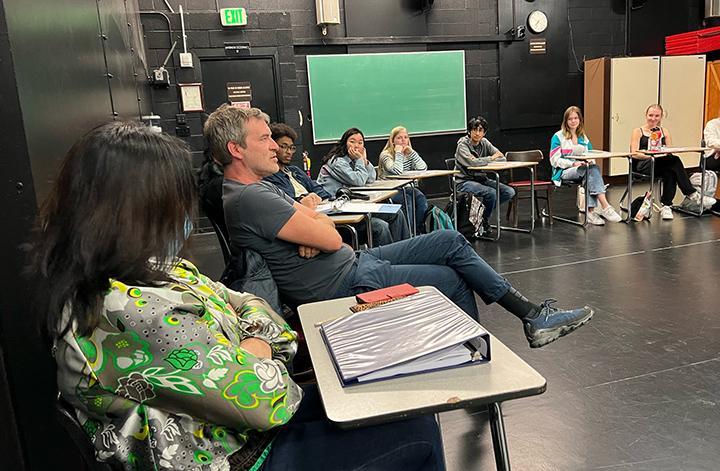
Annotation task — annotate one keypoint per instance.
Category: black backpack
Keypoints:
(471, 211)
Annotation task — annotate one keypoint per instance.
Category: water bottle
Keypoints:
(306, 162)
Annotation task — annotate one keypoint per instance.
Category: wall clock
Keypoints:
(537, 21)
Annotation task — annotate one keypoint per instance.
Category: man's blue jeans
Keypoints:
(487, 192)
(442, 259)
(311, 441)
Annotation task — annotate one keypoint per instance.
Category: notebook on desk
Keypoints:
(342, 206)
(420, 333)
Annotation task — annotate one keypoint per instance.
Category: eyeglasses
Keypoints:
(288, 148)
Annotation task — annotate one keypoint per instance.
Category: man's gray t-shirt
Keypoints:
(254, 215)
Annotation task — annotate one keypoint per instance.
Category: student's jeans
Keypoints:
(487, 192)
(419, 204)
(442, 259)
(596, 185)
(311, 441)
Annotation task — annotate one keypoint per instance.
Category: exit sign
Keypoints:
(233, 16)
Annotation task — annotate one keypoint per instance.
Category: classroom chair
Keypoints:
(523, 186)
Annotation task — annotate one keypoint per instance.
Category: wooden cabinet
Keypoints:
(630, 85)
(712, 91)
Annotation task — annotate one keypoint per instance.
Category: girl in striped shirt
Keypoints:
(399, 157)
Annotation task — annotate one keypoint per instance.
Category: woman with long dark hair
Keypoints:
(347, 165)
(164, 367)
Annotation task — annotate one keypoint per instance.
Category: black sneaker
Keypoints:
(551, 323)
(487, 228)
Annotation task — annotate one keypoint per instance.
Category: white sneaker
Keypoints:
(608, 213)
(594, 219)
(666, 213)
(707, 200)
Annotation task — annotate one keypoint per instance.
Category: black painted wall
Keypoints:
(59, 78)
(587, 29)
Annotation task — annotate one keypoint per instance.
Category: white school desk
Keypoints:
(597, 154)
(681, 150)
(505, 377)
(496, 167)
(418, 175)
(348, 219)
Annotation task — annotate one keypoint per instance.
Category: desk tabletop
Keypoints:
(675, 150)
(347, 218)
(497, 166)
(505, 377)
(382, 185)
(377, 196)
(597, 154)
(423, 174)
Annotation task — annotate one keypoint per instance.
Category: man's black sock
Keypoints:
(518, 304)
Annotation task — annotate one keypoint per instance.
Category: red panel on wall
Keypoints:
(693, 42)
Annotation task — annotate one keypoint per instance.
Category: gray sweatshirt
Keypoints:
(468, 155)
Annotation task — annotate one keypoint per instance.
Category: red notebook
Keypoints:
(386, 294)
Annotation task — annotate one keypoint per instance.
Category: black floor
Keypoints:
(638, 388)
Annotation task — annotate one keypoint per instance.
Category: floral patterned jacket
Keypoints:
(162, 383)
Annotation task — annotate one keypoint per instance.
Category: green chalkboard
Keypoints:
(423, 91)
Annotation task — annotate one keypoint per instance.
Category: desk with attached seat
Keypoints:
(684, 150)
(348, 219)
(495, 168)
(418, 175)
(505, 377)
(597, 154)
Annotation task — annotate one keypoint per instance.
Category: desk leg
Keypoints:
(587, 194)
(652, 187)
(414, 206)
(702, 191)
(454, 196)
(353, 235)
(582, 224)
(497, 209)
(497, 205)
(407, 208)
(497, 429)
(369, 230)
(629, 199)
(532, 199)
(532, 208)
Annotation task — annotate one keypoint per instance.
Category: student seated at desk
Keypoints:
(263, 218)
(669, 167)
(711, 133)
(347, 165)
(571, 140)
(475, 150)
(399, 157)
(291, 178)
(164, 367)
(303, 189)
